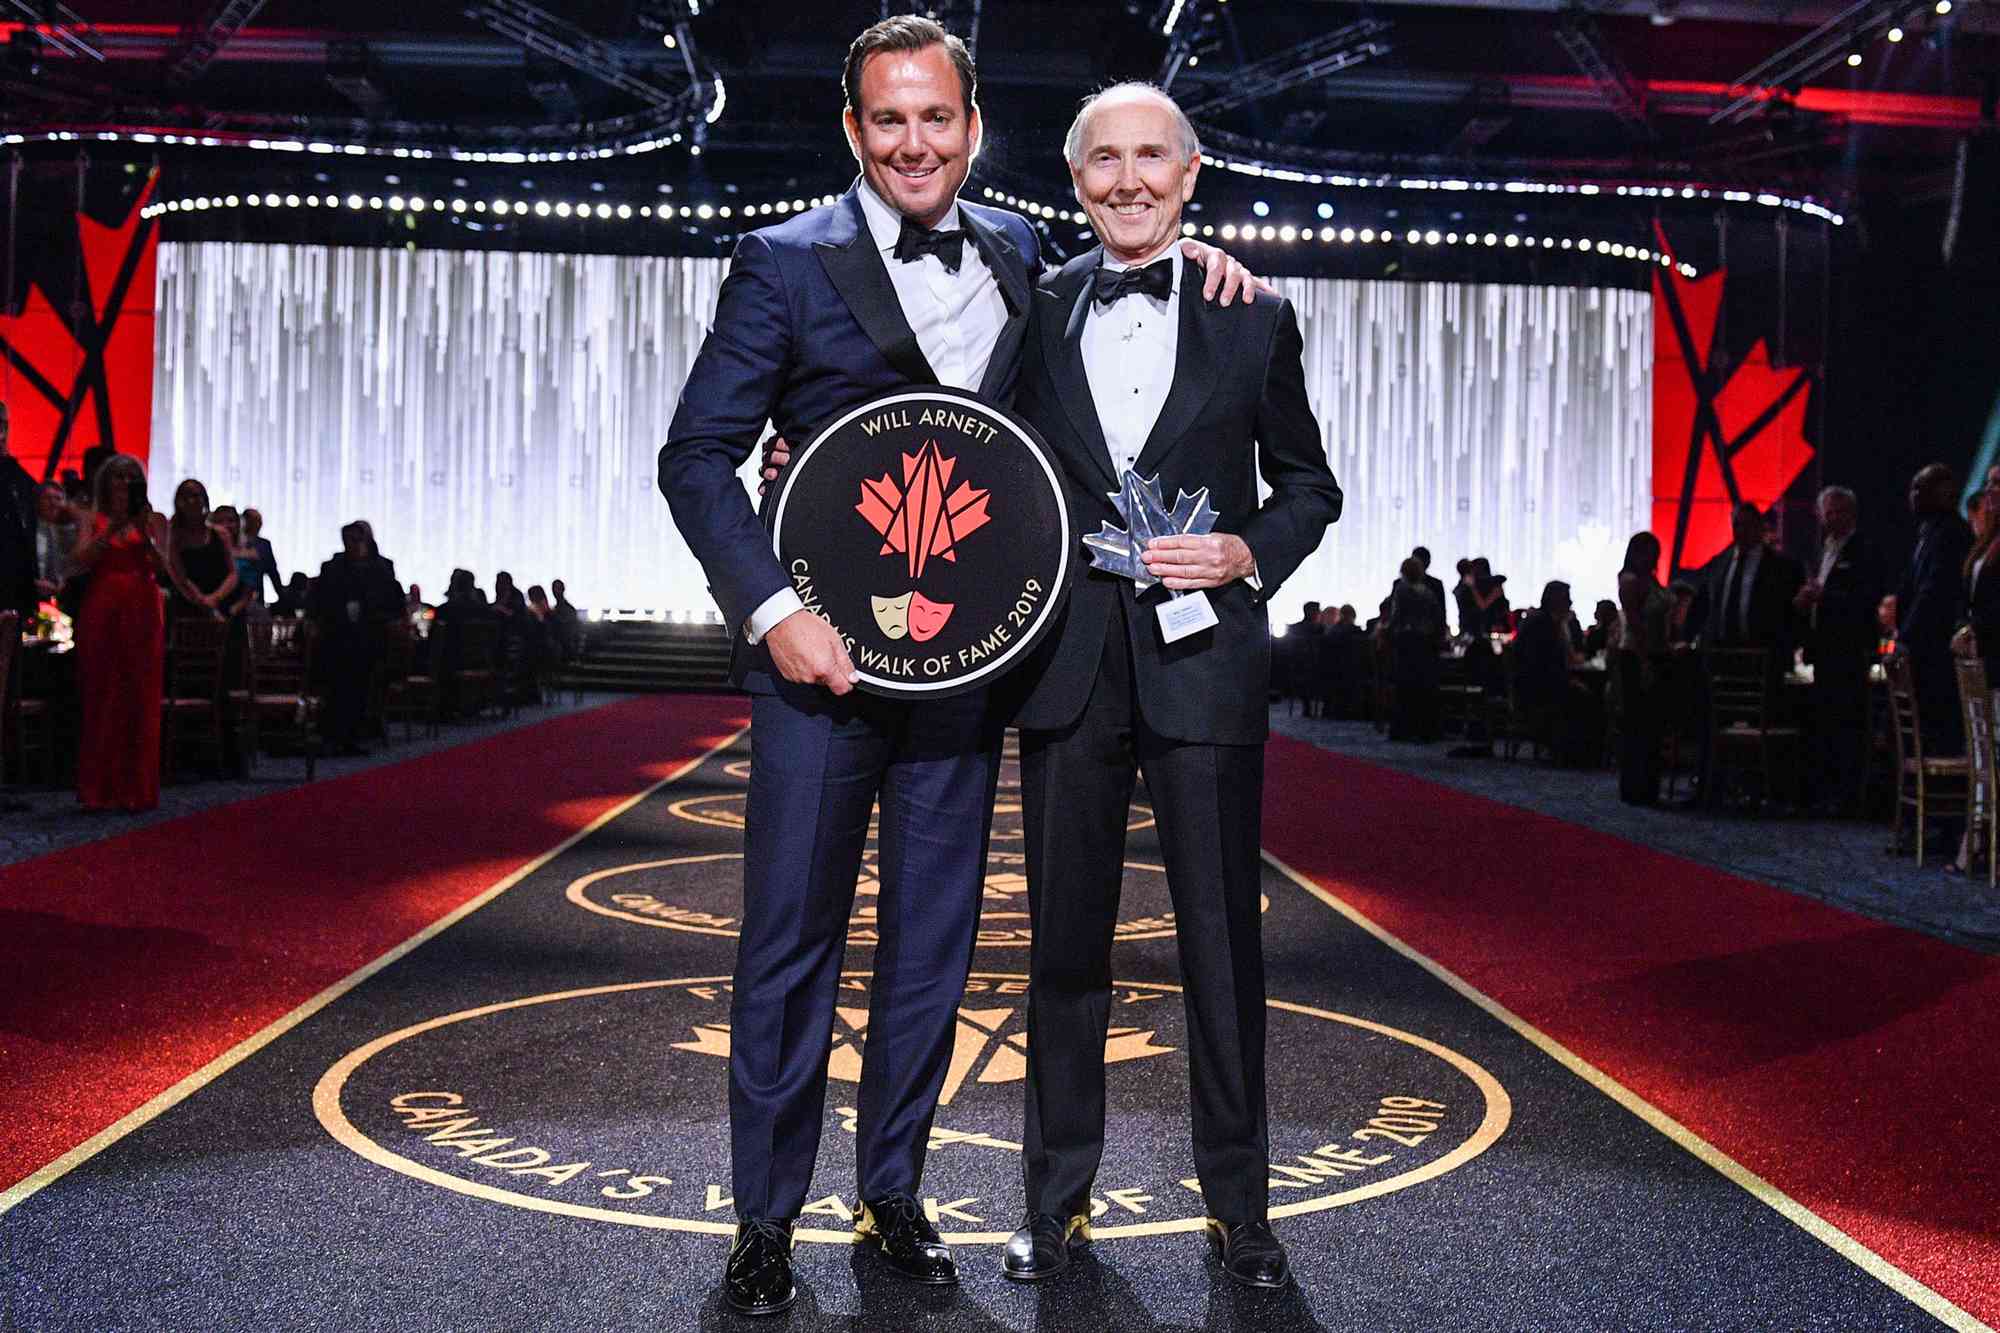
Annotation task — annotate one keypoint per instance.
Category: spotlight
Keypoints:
(1895, 34)
(1853, 59)
(1261, 209)
(1325, 211)
(1944, 6)
(669, 41)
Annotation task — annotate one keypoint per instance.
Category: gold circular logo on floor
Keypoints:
(610, 1104)
(668, 893)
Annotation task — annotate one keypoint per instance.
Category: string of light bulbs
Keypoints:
(601, 211)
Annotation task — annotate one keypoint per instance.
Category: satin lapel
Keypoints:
(858, 274)
(1010, 272)
(1062, 334)
(1196, 364)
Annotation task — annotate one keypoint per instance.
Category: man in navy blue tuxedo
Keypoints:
(898, 283)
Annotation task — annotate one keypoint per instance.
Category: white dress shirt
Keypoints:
(1829, 556)
(1129, 351)
(1129, 348)
(956, 317)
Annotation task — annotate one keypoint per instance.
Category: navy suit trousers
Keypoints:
(818, 766)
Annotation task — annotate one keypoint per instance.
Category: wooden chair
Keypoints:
(478, 674)
(284, 703)
(192, 707)
(1927, 784)
(10, 684)
(1975, 701)
(1507, 721)
(407, 695)
(1743, 702)
(238, 691)
(1460, 698)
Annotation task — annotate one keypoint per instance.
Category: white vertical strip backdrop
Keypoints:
(503, 410)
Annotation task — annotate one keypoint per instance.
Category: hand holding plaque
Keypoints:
(1121, 551)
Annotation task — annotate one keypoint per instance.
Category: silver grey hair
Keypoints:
(1840, 493)
(1073, 141)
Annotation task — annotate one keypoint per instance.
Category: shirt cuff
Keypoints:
(1252, 579)
(774, 609)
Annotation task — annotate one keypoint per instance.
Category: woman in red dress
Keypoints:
(120, 645)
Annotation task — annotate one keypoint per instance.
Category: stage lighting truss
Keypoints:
(725, 220)
(1840, 38)
(61, 27)
(1579, 35)
(668, 116)
(1324, 55)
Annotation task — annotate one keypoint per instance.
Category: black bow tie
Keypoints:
(1155, 280)
(914, 242)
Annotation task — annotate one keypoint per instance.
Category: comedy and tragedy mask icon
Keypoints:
(912, 614)
(892, 614)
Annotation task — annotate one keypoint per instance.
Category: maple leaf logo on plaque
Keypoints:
(920, 518)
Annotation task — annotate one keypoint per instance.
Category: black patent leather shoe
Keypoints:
(1250, 1254)
(758, 1279)
(1041, 1247)
(896, 1226)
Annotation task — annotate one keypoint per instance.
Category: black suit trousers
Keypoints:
(817, 766)
(1076, 786)
(1840, 727)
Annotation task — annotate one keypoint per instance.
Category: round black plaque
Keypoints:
(930, 528)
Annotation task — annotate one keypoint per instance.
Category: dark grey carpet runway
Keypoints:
(521, 1125)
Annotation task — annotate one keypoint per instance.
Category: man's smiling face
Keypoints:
(912, 133)
(1133, 174)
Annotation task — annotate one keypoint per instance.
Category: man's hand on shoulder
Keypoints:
(777, 453)
(808, 651)
(1225, 274)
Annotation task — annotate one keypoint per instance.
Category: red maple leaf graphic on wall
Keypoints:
(922, 517)
(74, 376)
(1721, 433)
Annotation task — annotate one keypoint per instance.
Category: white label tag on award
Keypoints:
(1185, 615)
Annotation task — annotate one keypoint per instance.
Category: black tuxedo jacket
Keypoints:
(1768, 623)
(1236, 410)
(1982, 594)
(1844, 625)
(17, 537)
(1930, 600)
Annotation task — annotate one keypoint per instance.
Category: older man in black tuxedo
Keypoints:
(1837, 610)
(1129, 370)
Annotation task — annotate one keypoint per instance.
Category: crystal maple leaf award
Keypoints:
(1121, 551)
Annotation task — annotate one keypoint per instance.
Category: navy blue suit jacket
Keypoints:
(807, 326)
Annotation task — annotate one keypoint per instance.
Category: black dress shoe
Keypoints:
(1041, 1247)
(758, 1279)
(895, 1224)
(1250, 1253)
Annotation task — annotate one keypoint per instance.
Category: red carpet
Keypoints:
(134, 961)
(1853, 1065)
